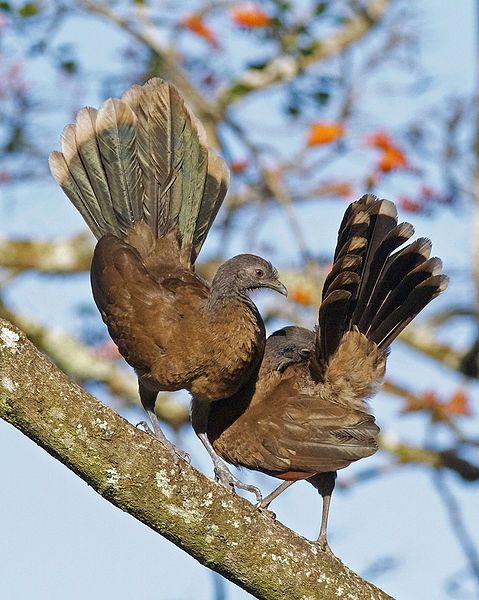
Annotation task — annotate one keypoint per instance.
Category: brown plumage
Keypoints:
(306, 416)
(141, 174)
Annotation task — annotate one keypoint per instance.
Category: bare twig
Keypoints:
(209, 113)
(458, 525)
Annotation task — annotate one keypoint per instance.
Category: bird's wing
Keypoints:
(298, 432)
(142, 312)
(316, 435)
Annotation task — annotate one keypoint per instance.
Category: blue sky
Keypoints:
(58, 539)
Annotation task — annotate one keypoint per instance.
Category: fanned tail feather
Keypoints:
(143, 158)
(372, 288)
(97, 168)
(188, 183)
(115, 129)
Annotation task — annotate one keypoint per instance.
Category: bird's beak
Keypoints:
(277, 286)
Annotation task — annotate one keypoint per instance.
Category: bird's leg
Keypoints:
(322, 541)
(324, 483)
(274, 494)
(158, 432)
(148, 400)
(223, 475)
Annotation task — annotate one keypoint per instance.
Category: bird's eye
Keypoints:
(260, 272)
(305, 352)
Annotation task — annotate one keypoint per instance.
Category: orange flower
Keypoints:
(196, 24)
(324, 133)
(429, 400)
(250, 15)
(238, 166)
(459, 404)
(301, 296)
(410, 205)
(343, 189)
(392, 158)
(380, 140)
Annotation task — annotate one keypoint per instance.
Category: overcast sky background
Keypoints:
(60, 540)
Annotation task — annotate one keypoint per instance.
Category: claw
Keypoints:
(323, 545)
(182, 454)
(177, 453)
(260, 506)
(145, 426)
(229, 481)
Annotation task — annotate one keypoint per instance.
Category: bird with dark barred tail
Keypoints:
(306, 416)
(141, 174)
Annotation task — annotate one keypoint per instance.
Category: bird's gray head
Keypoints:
(288, 346)
(243, 273)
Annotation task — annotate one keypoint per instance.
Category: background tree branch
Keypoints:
(285, 68)
(132, 471)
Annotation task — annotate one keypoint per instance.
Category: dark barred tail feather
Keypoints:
(373, 287)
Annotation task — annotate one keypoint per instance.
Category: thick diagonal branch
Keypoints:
(131, 470)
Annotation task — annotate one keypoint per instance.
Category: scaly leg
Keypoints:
(223, 474)
(324, 483)
(322, 541)
(148, 400)
(275, 493)
(177, 452)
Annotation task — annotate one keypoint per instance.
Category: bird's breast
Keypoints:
(235, 339)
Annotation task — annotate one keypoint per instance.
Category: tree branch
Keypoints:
(132, 471)
(422, 338)
(285, 68)
(66, 256)
(84, 364)
(207, 112)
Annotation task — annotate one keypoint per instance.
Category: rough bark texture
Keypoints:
(132, 471)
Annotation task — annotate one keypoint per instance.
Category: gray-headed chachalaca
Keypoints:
(142, 176)
(307, 416)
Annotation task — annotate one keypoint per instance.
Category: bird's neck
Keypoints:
(241, 315)
(236, 337)
(222, 295)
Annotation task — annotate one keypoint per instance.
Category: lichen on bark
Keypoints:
(131, 470)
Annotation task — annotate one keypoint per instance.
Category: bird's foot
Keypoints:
(323, 545)
(144, 425)
(229, 481)
(263, 507)
(177, 453)
(181, 453)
